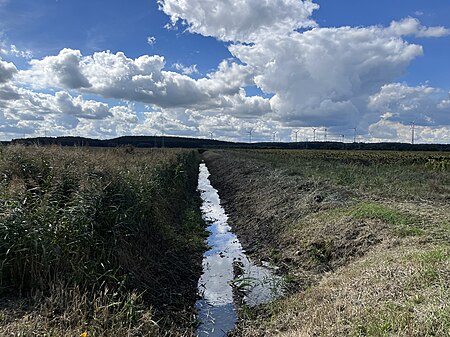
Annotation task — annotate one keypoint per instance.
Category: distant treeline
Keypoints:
(183, 142)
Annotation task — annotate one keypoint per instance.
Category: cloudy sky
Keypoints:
(280, 68)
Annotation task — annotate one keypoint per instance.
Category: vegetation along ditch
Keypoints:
(137, 242)
(99, 242)
(361, 237)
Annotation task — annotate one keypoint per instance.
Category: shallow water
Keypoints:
(216, 308)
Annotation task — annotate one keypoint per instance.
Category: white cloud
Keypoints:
(22, 107)
(142, 79)
(319, 77)
(445, 103)
(125, 114)
(322, 76)
(78, 107)
(26, 54)
(7, 71)
(192, 69)
(422, 104)
(392, 131)
(325, 75)
(412, 26)
(63, 70)
(338, 78)
(26, 112)
(240, 20)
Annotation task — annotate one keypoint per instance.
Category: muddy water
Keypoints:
(255, 284)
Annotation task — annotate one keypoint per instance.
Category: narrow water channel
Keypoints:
(256, 284)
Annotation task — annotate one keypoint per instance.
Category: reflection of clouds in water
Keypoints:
(218, 228)
(218, 272)
(216, 308)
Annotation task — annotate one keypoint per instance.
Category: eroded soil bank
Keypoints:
(363, 239)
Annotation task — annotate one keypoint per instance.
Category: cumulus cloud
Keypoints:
(20, 106)
(63, 70)
(7, 71)
(422, 104)
(325, 75)
(412, 26)
(393, 131)
(240, 20)
(445, 103)
(26, 54)
(78, 107)
(142, 79)
(337, 78)
(319, 76)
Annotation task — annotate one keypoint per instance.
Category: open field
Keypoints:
(102, 242)
(362, 237)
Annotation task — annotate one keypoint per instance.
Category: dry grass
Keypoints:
(394, 290)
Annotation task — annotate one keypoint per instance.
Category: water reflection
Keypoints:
(217, 312)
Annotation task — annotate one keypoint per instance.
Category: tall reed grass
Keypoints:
(117, 227)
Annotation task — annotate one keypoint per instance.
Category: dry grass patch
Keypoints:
(392, 291)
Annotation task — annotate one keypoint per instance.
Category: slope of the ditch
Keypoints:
(357, 264)
(270, 213)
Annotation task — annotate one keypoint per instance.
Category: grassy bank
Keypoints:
(363, 239)
(107, 242)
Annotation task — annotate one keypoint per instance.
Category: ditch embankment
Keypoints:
(99, 242)
(362, 239)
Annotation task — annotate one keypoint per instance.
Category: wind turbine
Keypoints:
(296, 135)
(274, 136)
(250, 132)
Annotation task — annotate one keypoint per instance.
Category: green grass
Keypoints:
(121, 229)
(374, 211)
(405, 175)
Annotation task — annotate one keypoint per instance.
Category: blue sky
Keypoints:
(225, 67)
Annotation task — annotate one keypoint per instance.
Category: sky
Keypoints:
(283, 70)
